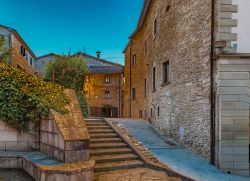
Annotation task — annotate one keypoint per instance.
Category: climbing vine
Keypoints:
(25, 97)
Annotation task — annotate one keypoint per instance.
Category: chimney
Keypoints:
(98, 54)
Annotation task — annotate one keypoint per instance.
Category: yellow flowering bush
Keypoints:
(25, 97)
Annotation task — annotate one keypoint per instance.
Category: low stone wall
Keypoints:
(233, 100)
(64, 172)
(65, 136)
(11, 139)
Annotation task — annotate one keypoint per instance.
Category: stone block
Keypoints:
(227, 36)
(76, 156)
(225, 15)
(8, 135)
(241, 165)
(76, 145)
(225, 165)
(241, 120)
(227, 150)
(228, 8)
(234, 68)
(235, 113)
(2, 145)
(225, 29)
(227, 105)
(241, 135)
(2, 125)
(241, 105)
(227, 120)
(240, 172)
(228, 143)
(241, 128)
(227, 135)
(227, 128)
(228, 2)
(61, 141)
(232, 83)
(17, 146)
(229, 97)
(241, 150)
(240, 143)
(234, 158)
(244, 98)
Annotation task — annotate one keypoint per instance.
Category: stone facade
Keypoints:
(22, 56)
(183, 39)
(178, 33)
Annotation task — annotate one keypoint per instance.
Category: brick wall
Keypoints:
(233, 99)
(183, 39)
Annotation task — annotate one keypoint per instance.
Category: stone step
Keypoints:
(114, 158)
(105, 140)
(107, 145)
(110, 151)
(94, 120)
(98, 127)
(100, 167)
(96, 124)
(103, 135)
(99, 131)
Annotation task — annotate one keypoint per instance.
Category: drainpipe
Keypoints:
(10, 46)
(130, 79)
(212, 102)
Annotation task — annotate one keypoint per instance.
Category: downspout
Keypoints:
(130, 80)
(212, 116)
(10, 46)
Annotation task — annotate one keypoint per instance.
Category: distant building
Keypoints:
(22, 56)
(187, 72)
(103, 84)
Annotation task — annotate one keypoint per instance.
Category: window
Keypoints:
(107, 94)
(134, 59)
(31, 61)
(154, 88)
(155, 26)
(133, 94)
(107, 79)
(166, 74)
(158, 111)
(23, 51)
(145, 87)
(140, 114)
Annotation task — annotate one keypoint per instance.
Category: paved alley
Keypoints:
(177, 158)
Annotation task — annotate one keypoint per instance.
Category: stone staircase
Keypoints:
(108, 149)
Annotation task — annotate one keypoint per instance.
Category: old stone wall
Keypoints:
(183, 38)
(233, 99)
(13, 140)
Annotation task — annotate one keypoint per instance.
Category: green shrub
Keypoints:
(70, 72)
(83, 104)
(25, 97)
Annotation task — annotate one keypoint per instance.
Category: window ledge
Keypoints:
(165, 84)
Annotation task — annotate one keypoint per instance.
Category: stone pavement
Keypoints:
(176, 158)
(137, 174)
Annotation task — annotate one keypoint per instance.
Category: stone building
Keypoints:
(186, 72)
(103, 84)
(22, 56)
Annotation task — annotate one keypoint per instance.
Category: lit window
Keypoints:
(107, 94)
(107, 79)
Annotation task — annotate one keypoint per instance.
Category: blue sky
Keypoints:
(78, 25)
